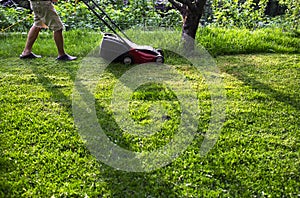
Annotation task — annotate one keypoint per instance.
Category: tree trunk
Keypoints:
(191, 12)
(189, 29)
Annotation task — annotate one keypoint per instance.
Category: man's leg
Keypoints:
(59, 41)
(31, 37)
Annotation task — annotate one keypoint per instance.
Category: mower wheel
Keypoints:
(127, 60)
(159, 59)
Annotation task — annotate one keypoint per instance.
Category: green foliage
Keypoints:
(234, 13)
(292, 13)
(15, 19)
(134, 14)
(248, 14)
(251, 14)
(140, 14)
(77, 16)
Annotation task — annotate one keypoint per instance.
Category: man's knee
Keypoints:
(36, 28)
(58, 31)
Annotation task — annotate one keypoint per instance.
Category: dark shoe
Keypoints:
(30, 56)
(66, 57)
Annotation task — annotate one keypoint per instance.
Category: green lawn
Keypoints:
(42, 154)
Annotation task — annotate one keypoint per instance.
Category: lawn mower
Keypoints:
(114, 47)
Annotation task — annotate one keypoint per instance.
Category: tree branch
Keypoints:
(188, 3)
(177, 5)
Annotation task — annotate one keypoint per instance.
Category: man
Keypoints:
(45, 16)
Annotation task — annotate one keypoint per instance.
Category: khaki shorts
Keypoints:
(45, 14)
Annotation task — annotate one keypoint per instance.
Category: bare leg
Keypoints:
(59, 41)
(32, 36)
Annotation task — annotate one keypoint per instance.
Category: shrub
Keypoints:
(15, 19)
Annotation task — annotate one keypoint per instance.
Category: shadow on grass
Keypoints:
(6, 166)
(57, 95)
(120, 183)
(264, 88)
(128, 184)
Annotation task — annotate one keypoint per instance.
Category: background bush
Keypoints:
(15, 19)
(254, 14)
(250, 14)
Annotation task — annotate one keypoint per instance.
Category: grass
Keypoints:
(222, 41)
(42, 154)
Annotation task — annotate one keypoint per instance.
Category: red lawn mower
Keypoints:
(114, 47)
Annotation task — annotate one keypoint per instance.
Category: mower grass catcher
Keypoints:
(121, 49)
